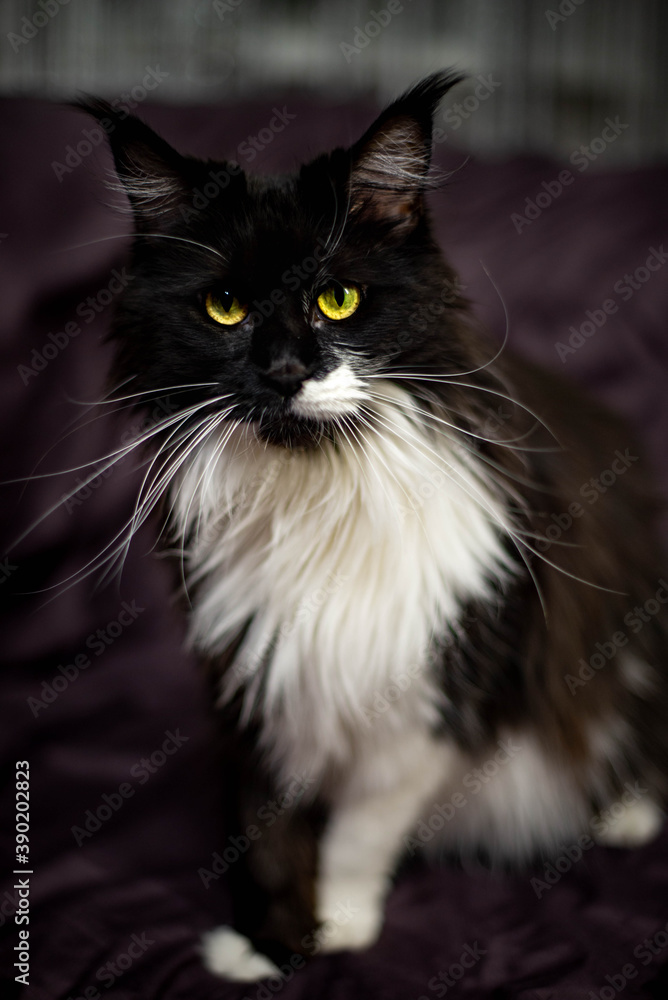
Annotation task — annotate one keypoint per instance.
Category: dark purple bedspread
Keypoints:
(112, 715)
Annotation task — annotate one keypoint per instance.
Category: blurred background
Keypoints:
(554, 69)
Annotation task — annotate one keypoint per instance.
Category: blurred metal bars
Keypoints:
(562, 66)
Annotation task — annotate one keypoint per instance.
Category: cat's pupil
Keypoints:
(227, 300)
(339, 294)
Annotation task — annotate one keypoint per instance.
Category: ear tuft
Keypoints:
(151, 173)
(391, 161)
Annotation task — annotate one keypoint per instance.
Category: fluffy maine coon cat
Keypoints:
(375, 575)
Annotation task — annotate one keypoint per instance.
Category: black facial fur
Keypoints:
(353, 216)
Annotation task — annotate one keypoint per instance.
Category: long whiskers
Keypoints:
(78, 424)
(518, 535)
(109, 460)
(115, 551)
(110, 398)
(208, 471)
(504, 442)
(146, 502)
(454, 377)
(157, 485)
(118, 546)
(130, 236)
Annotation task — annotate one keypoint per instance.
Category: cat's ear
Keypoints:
(390, 163)
(152, 174)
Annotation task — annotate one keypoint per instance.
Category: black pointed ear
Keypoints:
(153, 175)
(390, 163)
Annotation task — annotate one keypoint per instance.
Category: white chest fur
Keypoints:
(349, 561)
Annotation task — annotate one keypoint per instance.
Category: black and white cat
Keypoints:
(371, 575)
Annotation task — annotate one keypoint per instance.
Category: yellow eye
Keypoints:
(339, 301)
(225, 308)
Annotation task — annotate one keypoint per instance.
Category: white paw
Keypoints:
(229, 954)
(351, 916)
(639, 823)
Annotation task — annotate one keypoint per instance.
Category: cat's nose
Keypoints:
(287, 377)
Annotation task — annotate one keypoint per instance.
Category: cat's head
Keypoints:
(278, 299)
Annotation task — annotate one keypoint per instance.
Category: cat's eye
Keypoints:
(225, 308)
(339, 301)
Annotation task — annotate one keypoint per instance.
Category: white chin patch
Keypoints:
(337, 394)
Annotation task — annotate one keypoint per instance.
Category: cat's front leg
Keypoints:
(364, 839)
(227, 953)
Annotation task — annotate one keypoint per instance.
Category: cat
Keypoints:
(377, 587)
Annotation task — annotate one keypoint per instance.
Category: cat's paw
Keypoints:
(350, 917)
(640, 823)
(229, 954)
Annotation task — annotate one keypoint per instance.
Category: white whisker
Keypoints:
(422, 376)
(127, 236)
(516, 534)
